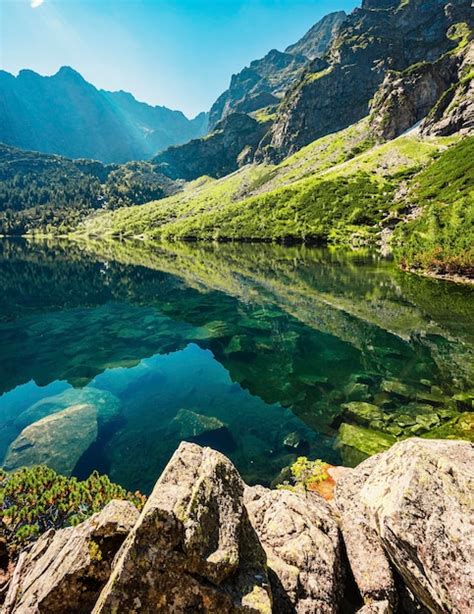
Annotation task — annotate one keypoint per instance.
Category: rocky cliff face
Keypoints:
(316, 41)
(439, 91)
(381, 35)
(265, 81)
(454, 110)
(207, 543)
(64, 114)
(232, 142)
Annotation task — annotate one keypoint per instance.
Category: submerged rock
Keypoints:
(294, 441)
(362, 413)
(300, 535)
(192, 424)
(204, 430)
(398, 388)
(356, 391)
(58, 440)
(193, 548)
(65, 570)
(460, 427)
(107, 405)
(464, 401)
(357, 443)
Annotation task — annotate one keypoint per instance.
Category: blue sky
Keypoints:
(179, 53)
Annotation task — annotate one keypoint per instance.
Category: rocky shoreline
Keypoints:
(395, 538)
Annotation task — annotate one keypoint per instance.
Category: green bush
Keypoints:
(34, 500)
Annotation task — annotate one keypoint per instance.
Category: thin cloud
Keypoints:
(36, 3)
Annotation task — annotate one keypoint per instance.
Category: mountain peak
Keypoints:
(66, 72)
(316, 41)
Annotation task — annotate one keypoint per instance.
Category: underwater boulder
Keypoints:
(58, 440)
(106, 404)
(356, 443)
(205, 430)
(460, 427)
(362, 412)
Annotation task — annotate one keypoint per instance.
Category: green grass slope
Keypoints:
(328, 191)
(440, 237)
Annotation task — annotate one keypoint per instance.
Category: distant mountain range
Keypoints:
(64, 114)
(294, 143)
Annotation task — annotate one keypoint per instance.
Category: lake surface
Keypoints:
(110, 356)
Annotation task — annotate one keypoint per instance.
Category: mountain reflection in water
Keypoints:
(110, 354)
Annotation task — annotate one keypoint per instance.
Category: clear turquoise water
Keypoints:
(264, 341)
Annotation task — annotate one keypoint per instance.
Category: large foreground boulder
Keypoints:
(193, 548)
(301, 538)
(369, 563)
(415, 503)
(65, 570)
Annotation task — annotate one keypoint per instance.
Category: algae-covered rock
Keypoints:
(404, 420)
(206, 430)
(58, 440)
(464, 401)
(427, 421)
(356, 391)
(460, 427)
(313, 380)
(238, 343)
(65, 570)
(193, 548)
(399, 389)
(362, 413)
(357, 443)
(191, 424)
(300, 535)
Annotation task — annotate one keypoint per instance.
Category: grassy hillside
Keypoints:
(440, 237)
(328, 191)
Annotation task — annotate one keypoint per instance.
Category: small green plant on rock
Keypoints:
(306, 475)
(309, 472)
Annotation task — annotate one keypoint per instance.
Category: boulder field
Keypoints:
(396, 537)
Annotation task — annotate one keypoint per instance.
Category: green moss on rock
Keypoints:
(357, 443)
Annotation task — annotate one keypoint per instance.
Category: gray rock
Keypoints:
(454, 112)
(417, 497)
(65, 570)
(376, 607)
(300, 535)
(193, 548)
(58, 440)
(381, 35)
(369, 563)
(405, 98)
